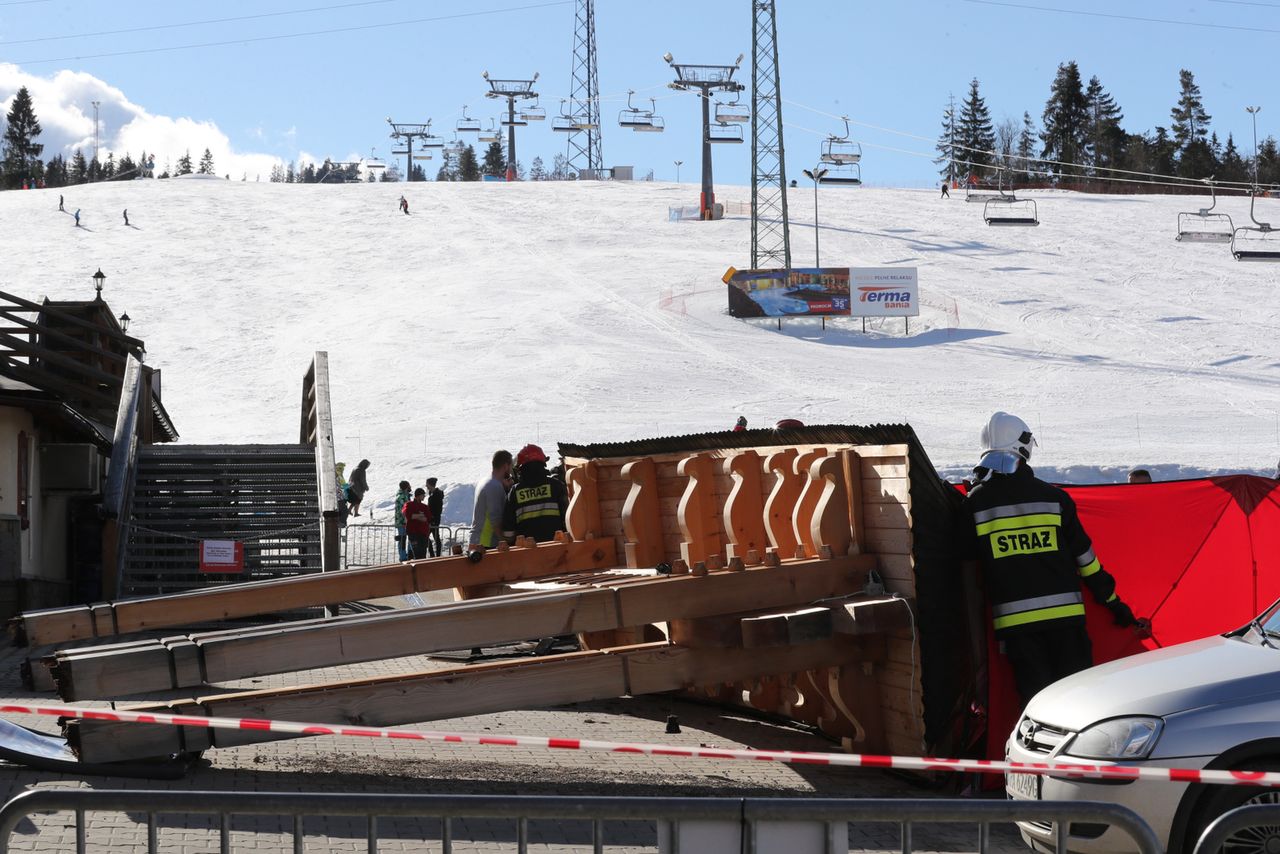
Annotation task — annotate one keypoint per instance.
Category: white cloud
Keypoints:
(64, 105)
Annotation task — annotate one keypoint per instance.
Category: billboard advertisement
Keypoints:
(799, 292)
(885, 291)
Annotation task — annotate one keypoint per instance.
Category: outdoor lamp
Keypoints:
(124, 322)
(99, 279)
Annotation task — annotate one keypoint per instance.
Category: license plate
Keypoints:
(1025, 787)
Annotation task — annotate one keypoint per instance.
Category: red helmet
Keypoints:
(530, 454)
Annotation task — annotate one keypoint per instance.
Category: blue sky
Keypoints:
(885, 64)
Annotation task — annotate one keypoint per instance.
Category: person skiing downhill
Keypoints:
(404, 206)
(126, 216)
(77, 217)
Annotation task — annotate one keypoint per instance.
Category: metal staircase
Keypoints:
(263, 496)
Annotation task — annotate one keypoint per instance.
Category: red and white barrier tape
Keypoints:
(855, 760)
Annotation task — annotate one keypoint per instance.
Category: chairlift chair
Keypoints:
(656, 125)
(564, 123)
(466, 124)
(724, 133)
(1017, 212)
(517, 121)
(490, 134)
(1258, 242)
(1205, 226)
(583, 122)
(632, 116)
(840, 149)
(456, 147)
(842, 175)
(533, 113)
(373, 162)
(732, 112)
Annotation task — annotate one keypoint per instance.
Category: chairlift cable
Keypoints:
(1115, 17)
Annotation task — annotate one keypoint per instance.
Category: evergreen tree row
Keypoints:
(1081, 137)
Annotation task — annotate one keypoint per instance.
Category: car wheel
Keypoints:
(1259, 839)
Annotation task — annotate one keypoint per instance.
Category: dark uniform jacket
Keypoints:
(1034, 553)
(536, 505)
(435, 501)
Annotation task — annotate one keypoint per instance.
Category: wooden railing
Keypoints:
(316, 430)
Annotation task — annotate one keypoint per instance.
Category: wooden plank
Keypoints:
(864, 615)
(888, 516)
(696, 513)
(851, 466)
(873, 468)
(640, 515)
(889, 541)
(264, 597)
(887, 490)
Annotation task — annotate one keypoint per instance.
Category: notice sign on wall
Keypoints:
(885, 291)
(221, 556)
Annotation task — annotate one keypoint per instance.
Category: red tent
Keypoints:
(1199, 557)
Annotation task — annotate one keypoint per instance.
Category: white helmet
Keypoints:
(1006, 440)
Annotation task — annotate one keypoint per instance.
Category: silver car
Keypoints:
(1212, 703)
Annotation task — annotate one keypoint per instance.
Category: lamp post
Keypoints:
(99, 279)
(678, 165)
(1253, 112)
(124, 322)
(815, 174)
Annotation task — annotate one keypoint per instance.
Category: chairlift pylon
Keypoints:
(732, 112)
(1258, 242)
(1205, 226)
(838, 149)
(1010, 212)
(466, 124)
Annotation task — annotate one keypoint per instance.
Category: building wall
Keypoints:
(13, 423)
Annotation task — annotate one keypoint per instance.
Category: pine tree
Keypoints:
(1163, 152)
(291, 173)
(55, 172)
(1268, 163)
(468, 168)
(946, 146)
(126, 169)
(518, 169)
(1026, 145)
(537, 172)
(1232, 166)
(21, 151)
(560, 168)
(109, 168)
(206, 163)
(1065, 118)
(1190, 121)
(1103, 133)
(277, 174)
(79, 169)
(495, 161)
(975, 134)
(184, 164)
(417, 173)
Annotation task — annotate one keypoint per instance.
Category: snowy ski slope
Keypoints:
(496, 315)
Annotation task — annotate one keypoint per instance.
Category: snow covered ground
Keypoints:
(496, 315)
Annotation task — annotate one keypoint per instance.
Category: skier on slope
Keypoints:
(77, 217)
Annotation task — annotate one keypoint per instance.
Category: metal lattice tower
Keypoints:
(770, 227)
(584, 145)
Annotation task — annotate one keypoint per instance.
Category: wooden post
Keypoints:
(829, 529)
(808, 503)
(584, 501)
(852, 464)
(696, 513)
(744, 509)
(781, 506)
(641, 521)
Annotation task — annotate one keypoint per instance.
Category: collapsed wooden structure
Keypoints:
(800, 572)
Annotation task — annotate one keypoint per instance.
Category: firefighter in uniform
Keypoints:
(1034, 555)
(537, 503)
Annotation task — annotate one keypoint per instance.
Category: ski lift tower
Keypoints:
(409, 132)
(584, 144)
(770, 225)
(705, 79)
(512, 90)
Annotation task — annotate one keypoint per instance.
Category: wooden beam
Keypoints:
(108, 672)
(233, 601)
(457, 692)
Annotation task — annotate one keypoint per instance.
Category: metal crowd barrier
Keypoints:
(375, 545)
(1250, 828)
(762, 825)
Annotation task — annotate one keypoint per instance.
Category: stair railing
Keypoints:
(117, 494)
(317, 431)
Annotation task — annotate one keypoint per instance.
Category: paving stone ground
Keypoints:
(379, 766)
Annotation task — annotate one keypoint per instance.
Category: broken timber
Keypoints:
(474, 690)
(255, 598)
(107, 672)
